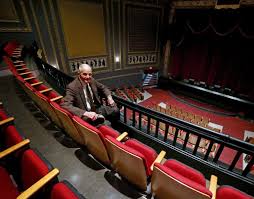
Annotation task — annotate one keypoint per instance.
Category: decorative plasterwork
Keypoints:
(208, 4)
(94, 62)
(142, 58)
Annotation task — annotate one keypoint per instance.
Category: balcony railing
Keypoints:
(132, 119)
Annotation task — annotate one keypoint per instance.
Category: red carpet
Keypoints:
(232, 126)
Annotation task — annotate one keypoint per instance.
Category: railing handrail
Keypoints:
(195, 129)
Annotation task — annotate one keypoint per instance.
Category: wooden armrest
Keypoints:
(39, 184)
(213, 185)
(20, 69)
(45, 90)
(5, 121)
(14, 148)
(28, 78)
(25, 73)
(18, 61)
(122, 136)
(159, 158)
(56, 98)
(37, 83)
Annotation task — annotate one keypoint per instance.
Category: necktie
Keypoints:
(89, 96)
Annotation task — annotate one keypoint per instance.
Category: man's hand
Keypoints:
(111, 101)
(92, 115)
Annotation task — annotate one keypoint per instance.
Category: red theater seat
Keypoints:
(132, 160)
(68, 125)
(173, 179)
(31, 169)
(228, 192)
(95, 138)
(64, 190)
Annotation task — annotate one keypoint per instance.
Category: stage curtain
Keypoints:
(216, 47)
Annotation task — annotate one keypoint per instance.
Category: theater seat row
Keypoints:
(23, 170)
(131, 159)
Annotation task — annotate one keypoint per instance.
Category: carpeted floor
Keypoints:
(232, 126)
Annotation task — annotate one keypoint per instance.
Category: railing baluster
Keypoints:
(139, 120)
(209, 150)
(166, 133)
(196, 145)
(237, 156)
(217, 156)
(157, 128)
(125, 114)
(133, 118)
(175, 137)
(186, 140)
(248, 167)
(148, 125)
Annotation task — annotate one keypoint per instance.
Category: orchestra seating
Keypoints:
(130, 158)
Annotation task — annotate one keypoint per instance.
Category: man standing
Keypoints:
(83, 98)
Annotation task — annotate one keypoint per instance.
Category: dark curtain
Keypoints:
(216, 47)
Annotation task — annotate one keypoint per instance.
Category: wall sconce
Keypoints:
(117, 59)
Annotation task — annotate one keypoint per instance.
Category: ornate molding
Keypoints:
(27, 25)
(147, 58)
(44, 10)
(208, 4)
(38, 29)
(194, 4)
(56, 29)
(95, 62)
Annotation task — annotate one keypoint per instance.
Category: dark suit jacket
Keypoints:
(74, 100)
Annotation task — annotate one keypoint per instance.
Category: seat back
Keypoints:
(94, 140)
(65, 190)
(10, 47)
(228, 192)
(33, 167)
(167, 183)
(11, 136)
(45, 106)
(128, 162)
(68, 125)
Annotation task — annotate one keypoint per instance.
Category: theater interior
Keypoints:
(180, 72)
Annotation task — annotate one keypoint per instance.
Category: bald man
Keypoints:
(83, 98)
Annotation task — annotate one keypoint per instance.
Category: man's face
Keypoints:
(86, 75)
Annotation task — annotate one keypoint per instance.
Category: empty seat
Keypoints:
(132, 160)
(173, 179)
(228, 192)
(65, 190)
(95, 138)
(9, 135)
(31, 168)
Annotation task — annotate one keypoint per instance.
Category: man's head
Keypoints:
(85, 73)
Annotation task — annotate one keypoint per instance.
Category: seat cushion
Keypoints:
(62, 191)
(7, 188)
(106, 130)
(149, 153)
(186, 171)
(228, 192)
